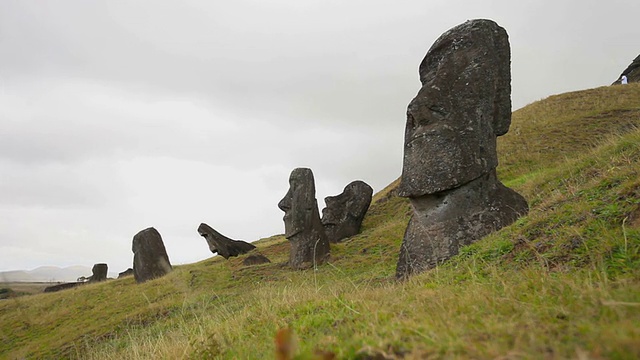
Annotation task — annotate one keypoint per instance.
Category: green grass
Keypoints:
(562, 282)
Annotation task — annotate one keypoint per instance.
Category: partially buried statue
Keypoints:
(150, 259)
(303, 229)
(343, 215)
(449, 169)
(221, 244)
(99, 272)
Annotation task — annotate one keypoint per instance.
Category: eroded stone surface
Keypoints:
(343, 215)
(303, 229)
(450, 146)
(150, 259)
(223, 245)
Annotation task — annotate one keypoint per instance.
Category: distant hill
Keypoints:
(48, 274)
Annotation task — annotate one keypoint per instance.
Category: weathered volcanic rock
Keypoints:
(632, 72)
(150, 259)
(99, 272)
(255, 259)
(343, 215)
(303, 229)
(450, 146)
(128, 272)
(63, 286)
(221, 244)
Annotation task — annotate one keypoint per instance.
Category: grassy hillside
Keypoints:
(562, 282)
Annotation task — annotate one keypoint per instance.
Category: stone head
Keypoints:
(352, 203)
(299, 204)
(463, 105)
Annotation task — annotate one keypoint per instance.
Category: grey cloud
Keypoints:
(115, 116)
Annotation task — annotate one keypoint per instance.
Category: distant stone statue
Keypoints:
(631, 74)
(221, 244)
(343, 215)
(450, 146)
(303, 229)
(150, 259)
(128, 272)
(99, 272)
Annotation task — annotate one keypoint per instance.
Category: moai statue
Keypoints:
(221, 244)
(303, 229)
(128, 272)
(99, 272)
(150, 259)
(343, 215)
(450, 159)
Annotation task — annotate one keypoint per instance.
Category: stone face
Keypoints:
(99, 272)
(464, 103)
(303, 229)
(632, 72)
(221, 244)
(150, 259)
(343, 215)
(450, 146)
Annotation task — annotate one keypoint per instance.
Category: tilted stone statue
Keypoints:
(150, 259)
(99, 272)
(303, 229)
(450, 146)
(221, 244)
(343, 215)
(128, 272)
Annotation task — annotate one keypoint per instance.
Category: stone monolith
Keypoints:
(150, 259)
(303, 229)
(450, 146)
(343, 214)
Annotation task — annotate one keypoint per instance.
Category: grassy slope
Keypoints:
(562, 282)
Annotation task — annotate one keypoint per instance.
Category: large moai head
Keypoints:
(449, 170)
(150, 259)
(344, 213)
(299, 204)
(463, 105)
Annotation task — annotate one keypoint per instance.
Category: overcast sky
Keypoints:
(120, 115)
